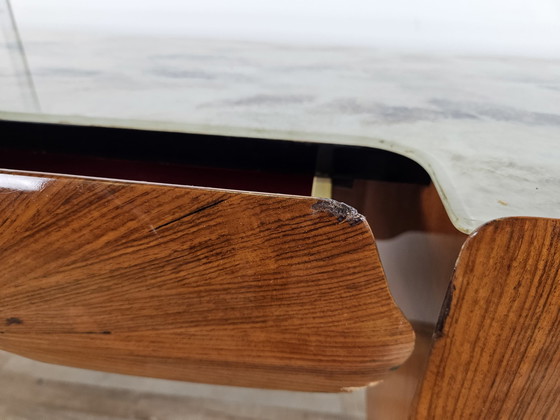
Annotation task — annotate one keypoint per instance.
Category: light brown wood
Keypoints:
(496, 353)
(194, 284)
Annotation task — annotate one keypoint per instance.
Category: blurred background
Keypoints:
(503, 27)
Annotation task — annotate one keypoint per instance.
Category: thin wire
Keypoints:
(17, 52)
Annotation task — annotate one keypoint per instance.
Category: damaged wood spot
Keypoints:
(13, 321)
(342, 212)
(357, 388)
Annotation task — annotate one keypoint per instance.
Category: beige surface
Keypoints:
(32, 390)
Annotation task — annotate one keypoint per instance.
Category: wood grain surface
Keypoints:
(194, 284)
(496, 353)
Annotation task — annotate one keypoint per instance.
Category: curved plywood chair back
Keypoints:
(496, 353)
(194, 284)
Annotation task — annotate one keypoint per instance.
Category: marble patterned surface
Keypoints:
(486, 129)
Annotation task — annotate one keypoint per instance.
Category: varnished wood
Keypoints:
(496, 353)
(194, 284)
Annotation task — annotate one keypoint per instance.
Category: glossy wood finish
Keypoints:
(496, 353)
(194, 284)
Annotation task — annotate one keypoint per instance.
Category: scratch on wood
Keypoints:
(342, 212)
(13, 321)
(198, 210)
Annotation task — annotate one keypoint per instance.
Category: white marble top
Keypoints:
(486, 129)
